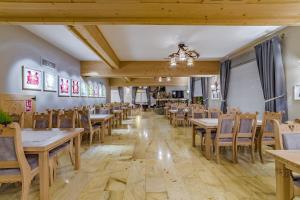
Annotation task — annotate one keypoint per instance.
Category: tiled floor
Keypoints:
(146, 158)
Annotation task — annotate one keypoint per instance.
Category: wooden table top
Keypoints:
(175, 111)
(35, 140)
(101, 116)
(212, 122)
(117, 111)
(288, 157)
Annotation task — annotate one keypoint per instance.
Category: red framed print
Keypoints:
(50, 81)
(64, 86)
(32, 79)
(75, 88)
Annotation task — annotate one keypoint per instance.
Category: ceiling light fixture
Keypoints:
(165, 79)
(183, 54)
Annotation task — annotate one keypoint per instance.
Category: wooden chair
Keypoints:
(15, 165)
(287, 137)
(42, 120)
(55, 114)
(85, 122)
(266, 135)
(225, 134)
(245, 132)
(199, 113)
(214, 113)
(233, 110)
(180, 116)
(18, 118)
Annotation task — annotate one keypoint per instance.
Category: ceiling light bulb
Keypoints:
(173, 62)
(182, 56)
(168, 79)
(159, 79)
(190, 61)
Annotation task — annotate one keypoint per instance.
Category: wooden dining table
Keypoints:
(173, 114)
(209, 124)
(103, 118)
(286, 161)
(41, 142)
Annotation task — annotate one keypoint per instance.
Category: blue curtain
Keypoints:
(121, 94)
(224, 83)
(192, 88)
(205, 88)
(134, 90)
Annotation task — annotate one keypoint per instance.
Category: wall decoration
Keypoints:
(50, 81)
(96, 90)
(90, 89)
(32, 79)
(28, 105)
(64, 86)
(84, 89)
(75, 88)
(297, 92)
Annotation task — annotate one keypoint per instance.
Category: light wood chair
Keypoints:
(15, 165)
(180, 117)
(266, 135)
(287, 137)
(85, 122)
(233, 110)
(245, 132)
(18, 118)
(55, 114)
(225, 134)
(213, 113)
(42, 120)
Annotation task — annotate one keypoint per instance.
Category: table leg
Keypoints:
(44, 175)
(109, 126)
(102, 132)
(283, 176)
(208, 144)
(120, 117)
(77, 152)
(194, 135)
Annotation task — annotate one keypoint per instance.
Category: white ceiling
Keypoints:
(156, 42)
(61, 37)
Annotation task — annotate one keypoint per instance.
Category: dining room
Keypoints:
(149, 100)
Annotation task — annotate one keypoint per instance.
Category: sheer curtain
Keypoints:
(272, 76)
(121, 94)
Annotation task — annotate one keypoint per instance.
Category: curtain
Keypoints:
(204, 88)
(148, 96)
(192, 88)
(121, 94)
(224, 83)
(134, 90)
(272, 76)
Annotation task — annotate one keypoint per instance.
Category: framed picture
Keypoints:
(90, 89)
(297, 92)
(50, 81)
(64, 86)
(31, 79)
(84, 89)
(96, 90)
(75, 88)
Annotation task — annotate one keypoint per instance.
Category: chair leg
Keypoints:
(51, 172)
(217, 154)
(71, 154)
(260, 152)
(25, 188)
(91, 138)
(252, 153)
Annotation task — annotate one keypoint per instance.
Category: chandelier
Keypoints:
(183, 55)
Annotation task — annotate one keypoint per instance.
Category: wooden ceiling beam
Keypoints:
(175, 81)
(135, 69)
(204, 12)
(93, 37)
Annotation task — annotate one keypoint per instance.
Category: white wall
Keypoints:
(19, 47)
(245, 89)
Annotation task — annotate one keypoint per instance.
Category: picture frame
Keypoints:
(64, 88)
(31, 79)
(90, 89)
(297, 92)
(50, 81)
(84, 89)
(75, 91)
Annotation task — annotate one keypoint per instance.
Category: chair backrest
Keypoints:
(97, 109)
(287, 136)
(198, 113)
(233, 110)
(226, 126)
(42, 120)
(104, 111)
(55, 114)
(214, 112)
(12, 155)
(267, 129)
(246, 125)
(18, 118)
(85, 121)
(67, 119)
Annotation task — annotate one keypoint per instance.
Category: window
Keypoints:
(141, 96)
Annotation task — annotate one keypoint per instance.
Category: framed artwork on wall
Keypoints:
(31, 79)
(84, 89)
(297, 92)
(50, 81)
(75, 88)
(90, 89)
(64, 86)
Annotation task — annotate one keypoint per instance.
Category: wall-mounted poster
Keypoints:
(64, 86)
(91, 89)
(75, 88)
(297, 92)
(84, 89)
(96, 90)
(32, 79)
(50, 81)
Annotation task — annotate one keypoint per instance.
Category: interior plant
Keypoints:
(5, 119)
